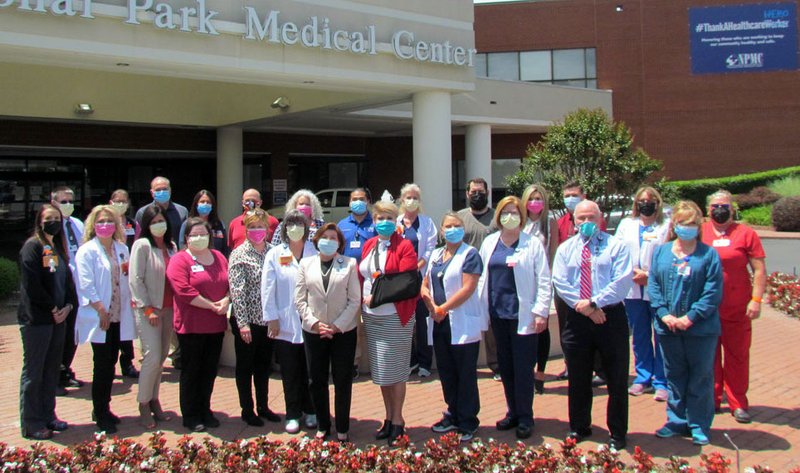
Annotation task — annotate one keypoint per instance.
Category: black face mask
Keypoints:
(52, 228)
(721, 214)
(648, 209)
(478, 201)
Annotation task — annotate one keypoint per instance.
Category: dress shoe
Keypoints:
(130, 372)
(579, 435)
(598, 381)
(74, 383)
(108, 416)
(43, 434)
(211, 421)
(395, 433)
(58, 425)
(617, 444)
(106, 425)
(524, 431)
(506, 423)
(269, 415)
(742, 416)
(538, 386)
(384, 431)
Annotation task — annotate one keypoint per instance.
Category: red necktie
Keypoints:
(586, 273)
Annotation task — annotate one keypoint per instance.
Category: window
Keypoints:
(503, 65)
(342, 199)
(567, 67)
(325, 198)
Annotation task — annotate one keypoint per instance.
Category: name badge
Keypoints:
(648, 236)
(218, 234)
(130, 231)
(511, 261)
(721, 243)
(73, 248)
(198, 268)
(355, 244)
(50, 261)
(285, 260)
(685, 270)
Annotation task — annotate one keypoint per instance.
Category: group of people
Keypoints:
(305, 291)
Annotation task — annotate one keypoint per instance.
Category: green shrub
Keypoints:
(787, 187)
(761, 216)
(698, 189)
(9, 277)
(786, 214)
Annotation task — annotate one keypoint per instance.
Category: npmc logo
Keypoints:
(745, 60)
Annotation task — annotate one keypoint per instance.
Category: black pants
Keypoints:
(458, 372)
(253, 366)
(543, 350)
(421, 352)
(561, 310)
(294, 375)
(516, 357)
(337, 353)
(580, 340)
(70, 347)
(105, 360)
(200, 359)
(42, 347)
(126, 355)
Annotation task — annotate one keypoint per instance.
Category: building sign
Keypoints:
(743, 38)
(267, 26)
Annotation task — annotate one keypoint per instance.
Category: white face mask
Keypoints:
(158, 229)
(411, 203)
(295, 232)
(509, 221)
(198, 242)
(66, 209)
(120, 207)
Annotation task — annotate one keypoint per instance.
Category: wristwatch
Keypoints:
(593, 304)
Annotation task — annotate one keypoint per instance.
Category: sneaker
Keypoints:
(699, 438)
(424, 373)
(444, 425)
(292, 426)
(638, 389)
(598, 381)
(496, 377)
(665, 433)
(311, 421)
(662, 395)
(413, 368)
(467, 435)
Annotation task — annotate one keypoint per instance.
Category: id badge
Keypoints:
(73, 248)
(285, 260)
(218, 234)
(198, 268)
(722, 243)
(511, 261)
(129, 230)
(685, 270)
(50, 261)
(355, 244)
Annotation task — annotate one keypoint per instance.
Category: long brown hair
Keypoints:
(59, 242)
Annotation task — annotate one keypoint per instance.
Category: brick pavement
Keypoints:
(773, 438)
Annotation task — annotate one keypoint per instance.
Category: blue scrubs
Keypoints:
(503, 302)
(356, 234)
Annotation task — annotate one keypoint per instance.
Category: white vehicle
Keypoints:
(335, 205)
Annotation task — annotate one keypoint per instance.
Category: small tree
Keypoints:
(590, 148)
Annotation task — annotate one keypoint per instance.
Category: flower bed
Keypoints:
(262, 454)
(783, 293)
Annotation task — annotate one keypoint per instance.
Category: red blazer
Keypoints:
(400, 257)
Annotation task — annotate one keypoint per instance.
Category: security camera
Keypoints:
(281, 103)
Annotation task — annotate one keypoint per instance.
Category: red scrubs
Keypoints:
(736, 247)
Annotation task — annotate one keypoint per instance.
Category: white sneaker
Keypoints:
(311, 421)
(423, 373)
(292, 426)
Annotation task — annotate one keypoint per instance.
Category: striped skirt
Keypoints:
(389, 346)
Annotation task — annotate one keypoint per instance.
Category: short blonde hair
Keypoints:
(383, 207)
(256, 216)
(686, 212)
(88, 232)
(510, 199)
(654, 194)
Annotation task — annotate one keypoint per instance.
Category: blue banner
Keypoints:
(743, 38)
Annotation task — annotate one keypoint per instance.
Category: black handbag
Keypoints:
(393, 287)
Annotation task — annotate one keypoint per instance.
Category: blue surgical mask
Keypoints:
(454, 234)
(328, 247)
(588, 229)
(571, 202)
(204, 209)
(358, 207)
(162, 196)
(685, 232)
(385, 228)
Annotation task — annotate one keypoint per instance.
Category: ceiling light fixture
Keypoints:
(84, 109)
(619, 8)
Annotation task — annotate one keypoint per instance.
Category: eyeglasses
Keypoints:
(65, 201)
(720, 206)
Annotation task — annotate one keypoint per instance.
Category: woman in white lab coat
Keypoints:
(104, 317)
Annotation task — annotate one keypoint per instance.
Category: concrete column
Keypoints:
(230, 172)
(433, 151)
(478, 151)
(230, 180)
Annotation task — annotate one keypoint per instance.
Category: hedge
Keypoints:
(698, 189)
(9, 277)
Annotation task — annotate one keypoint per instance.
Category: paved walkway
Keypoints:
(773, 438)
